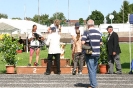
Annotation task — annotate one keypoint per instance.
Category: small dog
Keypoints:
(62, 46)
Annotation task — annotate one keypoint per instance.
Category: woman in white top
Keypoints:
(53, 41)
(34, 39)
(56, 24)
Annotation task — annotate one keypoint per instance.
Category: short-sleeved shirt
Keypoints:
(53, 41)
(94, 36)
(34, 42)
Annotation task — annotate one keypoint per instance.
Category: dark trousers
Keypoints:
(114, 59)
(78, 58)
(49, 63)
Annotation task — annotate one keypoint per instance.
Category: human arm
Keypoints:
(84, 37)
(115, 43)
(48, 40)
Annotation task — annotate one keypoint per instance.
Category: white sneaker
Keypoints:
(80, 73)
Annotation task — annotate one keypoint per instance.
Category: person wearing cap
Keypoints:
(78, 55)
(73, 35)
(53, 41)
(92, 37)
(113, 51)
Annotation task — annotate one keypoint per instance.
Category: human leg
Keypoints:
(57, 59)
(117, 63)
(92, 65)
(111, 64)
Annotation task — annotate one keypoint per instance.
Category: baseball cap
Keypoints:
(109, 27)
(77, 24)
(53, 28)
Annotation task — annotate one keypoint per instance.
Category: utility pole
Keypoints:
(68, 12)
(38, 13)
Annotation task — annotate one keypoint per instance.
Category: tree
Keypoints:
(60, 16)
(27, 18)
(126, 12)
(81, 21)
(131, 8)
(17, 18)
(3, 15)
(44, 19)
(97, 16)
(35, 18)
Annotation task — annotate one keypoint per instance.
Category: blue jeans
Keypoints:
(92, 63)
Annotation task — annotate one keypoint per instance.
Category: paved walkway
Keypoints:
(64, 81)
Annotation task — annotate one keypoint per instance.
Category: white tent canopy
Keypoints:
(23, 26)
(7, 28)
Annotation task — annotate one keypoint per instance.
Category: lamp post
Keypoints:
(123, 11)
(56, 8)
(111, 17)
(68, 12)
(38, 13)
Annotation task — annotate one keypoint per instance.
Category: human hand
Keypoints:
(114, 53)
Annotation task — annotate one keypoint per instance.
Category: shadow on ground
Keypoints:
(125, 65)
(81, 85)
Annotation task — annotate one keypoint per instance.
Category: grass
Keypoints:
(124, 57)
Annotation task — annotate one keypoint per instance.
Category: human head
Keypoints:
(57, 22)
(34, 28)
(77, 25)
(109, 29)
(90, 23)
(53, 29)
(78, 34)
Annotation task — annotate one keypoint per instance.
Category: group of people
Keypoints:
(91, 37)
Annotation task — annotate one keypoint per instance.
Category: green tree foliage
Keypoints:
(126, 12)
(44, 19)
(97, 16)
(3, 15)
(60, 16)
(81, 21)
(27, 18)
(17, 18)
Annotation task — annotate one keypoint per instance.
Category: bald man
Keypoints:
(92, 37)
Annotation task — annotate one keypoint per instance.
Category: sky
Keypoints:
(77, 8)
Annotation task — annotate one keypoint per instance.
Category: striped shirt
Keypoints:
(94, 36)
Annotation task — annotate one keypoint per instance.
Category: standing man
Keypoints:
(92, 37)
(113, 50)
(53, 41)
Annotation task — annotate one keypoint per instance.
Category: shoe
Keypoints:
(119, 73)
(29, 65)
(74, 72)
(46, 73)
(36, 64)
(80, 73)
(58, 73)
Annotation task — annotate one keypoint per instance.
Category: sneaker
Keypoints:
(36, 64)
(46, 73)
(74, 72)
(80, 73)
(29, 64)
(58, 73)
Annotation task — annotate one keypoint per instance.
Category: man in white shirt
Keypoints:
(53, 41)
